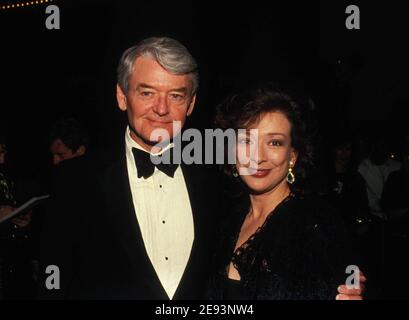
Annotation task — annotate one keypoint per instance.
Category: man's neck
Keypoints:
(150, 148)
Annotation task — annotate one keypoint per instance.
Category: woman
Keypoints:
(277, 243)
(347, 189)
(15, 244)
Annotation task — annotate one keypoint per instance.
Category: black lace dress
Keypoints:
(298, 254)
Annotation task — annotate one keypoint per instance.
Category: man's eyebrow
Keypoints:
(147, 86)
(181, 89)
(143, 86)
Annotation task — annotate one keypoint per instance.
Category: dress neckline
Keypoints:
(272, 213)
(237, 252)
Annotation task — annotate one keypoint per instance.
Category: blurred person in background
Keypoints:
(16, 263)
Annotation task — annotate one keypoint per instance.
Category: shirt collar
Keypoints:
(131, 143)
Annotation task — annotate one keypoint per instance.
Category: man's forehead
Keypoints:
(149, 72)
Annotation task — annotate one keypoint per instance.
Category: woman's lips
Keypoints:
(261, 173)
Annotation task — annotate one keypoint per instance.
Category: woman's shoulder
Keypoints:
(312, 242)
(314, 215)
(315, 208)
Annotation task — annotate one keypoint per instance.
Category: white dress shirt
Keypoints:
(164, 214)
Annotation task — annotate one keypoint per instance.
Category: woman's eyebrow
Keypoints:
(277, 134)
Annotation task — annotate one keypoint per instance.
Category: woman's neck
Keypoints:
(263, 204)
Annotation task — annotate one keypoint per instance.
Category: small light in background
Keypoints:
(23, 4)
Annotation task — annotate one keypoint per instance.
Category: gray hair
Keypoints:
(169, 53)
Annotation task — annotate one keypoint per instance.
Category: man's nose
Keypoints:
(161, 106)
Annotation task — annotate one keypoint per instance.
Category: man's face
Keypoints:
(61, 152)
(154, 100)
(343, 154)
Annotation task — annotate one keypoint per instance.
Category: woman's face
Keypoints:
(268, 151)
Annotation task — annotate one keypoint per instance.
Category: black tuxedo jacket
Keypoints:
(93, 235)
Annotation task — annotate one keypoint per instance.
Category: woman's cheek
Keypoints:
(243, 155)
(278, 158)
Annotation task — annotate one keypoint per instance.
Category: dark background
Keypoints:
(358, 79)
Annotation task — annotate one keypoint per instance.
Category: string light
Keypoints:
(23, 4)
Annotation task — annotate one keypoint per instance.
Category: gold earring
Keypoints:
(290, 175)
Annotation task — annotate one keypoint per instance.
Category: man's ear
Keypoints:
(121, 98)
(191, 106)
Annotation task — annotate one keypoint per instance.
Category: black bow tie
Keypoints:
(146, 167)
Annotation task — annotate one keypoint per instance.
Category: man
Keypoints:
(143, 237)
(70, 156)
(147, 232)
(68, 140)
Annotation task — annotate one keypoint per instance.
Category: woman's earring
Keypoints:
(234, 171)
(290, 174)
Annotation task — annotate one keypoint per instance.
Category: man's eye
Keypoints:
(146, 94)
(176, 96)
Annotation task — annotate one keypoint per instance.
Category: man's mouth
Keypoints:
(159, 122)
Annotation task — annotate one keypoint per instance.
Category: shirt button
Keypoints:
(160, 186)
(166, 258)
(163, 221)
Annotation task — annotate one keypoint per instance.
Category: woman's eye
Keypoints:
(276, 143)
(244, 141)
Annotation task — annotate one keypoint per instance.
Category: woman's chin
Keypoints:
(257, 188)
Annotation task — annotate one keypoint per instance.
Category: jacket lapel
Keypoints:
(121, 214)
(197, 185)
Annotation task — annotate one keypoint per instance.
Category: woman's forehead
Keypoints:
(271, 122)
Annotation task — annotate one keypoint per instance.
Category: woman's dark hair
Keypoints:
(242, 110)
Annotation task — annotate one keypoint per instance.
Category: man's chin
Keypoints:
(150, 143)
(157, 142)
